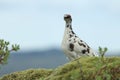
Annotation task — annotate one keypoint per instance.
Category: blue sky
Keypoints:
(39, 23)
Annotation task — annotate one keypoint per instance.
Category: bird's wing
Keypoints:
(81, 48)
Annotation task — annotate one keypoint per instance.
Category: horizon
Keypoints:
(32, 51)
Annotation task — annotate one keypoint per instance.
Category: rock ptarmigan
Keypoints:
(72, 45)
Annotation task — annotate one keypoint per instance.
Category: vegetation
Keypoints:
(92, 69)
(84, 68)
(31, 74)
(102, 52)
(5, 50)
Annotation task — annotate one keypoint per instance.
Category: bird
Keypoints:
(72, 46)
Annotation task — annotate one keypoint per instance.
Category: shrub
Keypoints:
(5, 50)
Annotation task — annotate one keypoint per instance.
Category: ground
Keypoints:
(85, 68)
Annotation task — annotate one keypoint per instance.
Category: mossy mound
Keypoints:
(31, 74)
(85, 68)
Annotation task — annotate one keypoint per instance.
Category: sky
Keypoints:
(39, 23)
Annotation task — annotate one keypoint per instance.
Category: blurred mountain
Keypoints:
(33, 59)
(36, 59)
(108, 54)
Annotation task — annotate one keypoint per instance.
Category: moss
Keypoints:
(85, 68)
(91, 67)
(31, 74)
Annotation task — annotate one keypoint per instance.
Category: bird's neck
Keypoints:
(68, 26)
(68, 30)
(68, 33)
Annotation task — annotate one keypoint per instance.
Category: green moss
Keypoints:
(31, 74)
(85, 68)
(91, 67)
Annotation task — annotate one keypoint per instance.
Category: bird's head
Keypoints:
(67, 18)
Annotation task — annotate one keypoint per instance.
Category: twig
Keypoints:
(81, 71)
